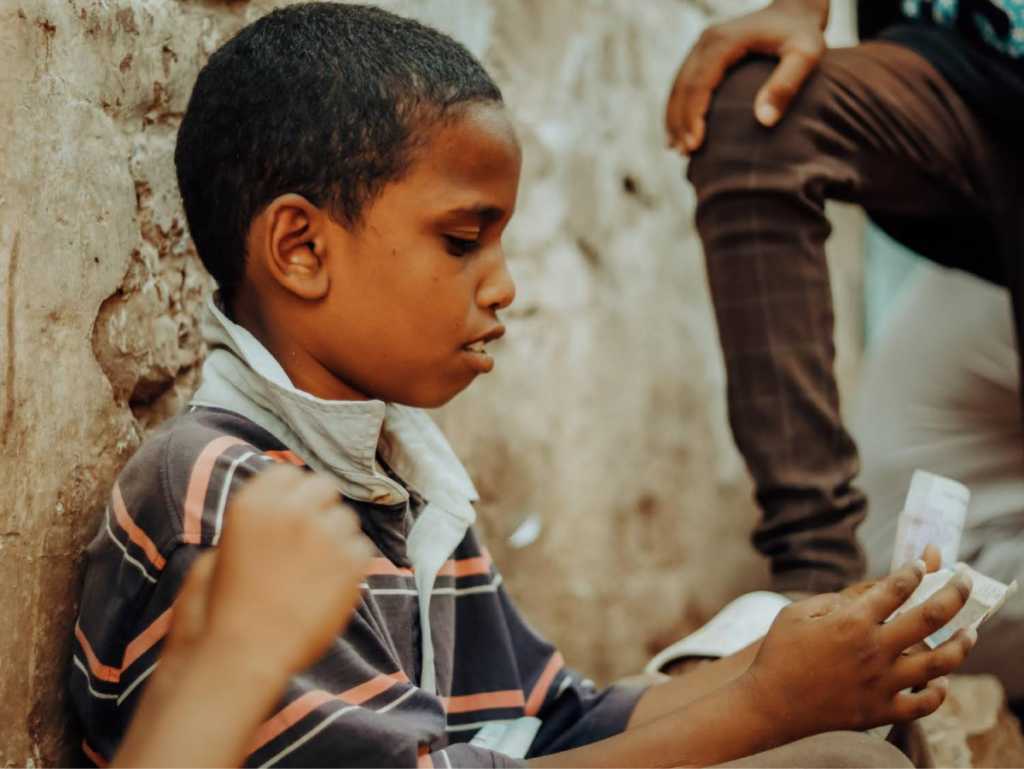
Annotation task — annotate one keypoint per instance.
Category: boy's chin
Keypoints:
(435, 398)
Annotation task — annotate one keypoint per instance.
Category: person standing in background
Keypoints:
(915, 124)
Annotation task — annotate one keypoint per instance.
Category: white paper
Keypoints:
(933, 514)
(987, 597)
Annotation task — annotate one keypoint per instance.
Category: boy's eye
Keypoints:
(461, 246)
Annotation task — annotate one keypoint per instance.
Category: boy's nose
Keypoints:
(498, 290)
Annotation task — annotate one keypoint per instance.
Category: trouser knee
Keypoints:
(735, 141)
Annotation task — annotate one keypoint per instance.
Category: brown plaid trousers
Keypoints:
(878, 126)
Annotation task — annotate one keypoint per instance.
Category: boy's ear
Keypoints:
(295, 246)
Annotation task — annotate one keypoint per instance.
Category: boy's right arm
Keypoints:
(827, 663)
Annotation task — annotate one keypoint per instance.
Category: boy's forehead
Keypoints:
(471, 161)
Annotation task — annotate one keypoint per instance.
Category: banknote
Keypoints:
(987, 597)
(934, 513)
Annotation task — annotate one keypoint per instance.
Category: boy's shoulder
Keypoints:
(182, 473)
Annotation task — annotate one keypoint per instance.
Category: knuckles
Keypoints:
(810, 52)
(963, 590)
(933, 616)
(853, 623)
(926, 705)
(935, 667)
(901, 588)
(712, 37)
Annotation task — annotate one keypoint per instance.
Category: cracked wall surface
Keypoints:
(613, 499)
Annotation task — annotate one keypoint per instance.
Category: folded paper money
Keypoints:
(933, 514)
(987, 597)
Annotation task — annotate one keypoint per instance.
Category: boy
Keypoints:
(347, 175)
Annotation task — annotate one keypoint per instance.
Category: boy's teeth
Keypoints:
(475, 347)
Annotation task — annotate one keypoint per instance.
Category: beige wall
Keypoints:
(603, 424)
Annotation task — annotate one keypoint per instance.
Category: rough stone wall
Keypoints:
(602, 430)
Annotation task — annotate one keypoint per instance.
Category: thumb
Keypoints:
(783, 85)
(932, 558)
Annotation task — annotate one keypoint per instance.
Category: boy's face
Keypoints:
(398, 308)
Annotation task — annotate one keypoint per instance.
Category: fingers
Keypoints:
(189, 616)
(697, 93)
(346, 526)
(290, 489)
(701, 73)
(921, 621)
(278, 476)
(932, 558)
(911, 706)
(890, 593)
(315, 493)
(784, 84)
(915, 670)
(674, 122)
(855, 591)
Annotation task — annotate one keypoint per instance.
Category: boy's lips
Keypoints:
(478, 357)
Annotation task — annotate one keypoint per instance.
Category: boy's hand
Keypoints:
(829, 663)
(793, 30)
(931, 556)
(287, 572)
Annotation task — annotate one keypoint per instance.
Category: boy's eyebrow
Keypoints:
(486, 213)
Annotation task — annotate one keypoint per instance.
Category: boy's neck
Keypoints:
(304, 371)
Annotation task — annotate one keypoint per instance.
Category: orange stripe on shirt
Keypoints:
(291, 714)
(287, 717)
(141, 644)
(383, 567)
(135, 534)
(101, 671)
(540, 689)
(511, 698)
(147, 639)
(468, 567)
(199, 483)
(357, 695)
(286, 456)
(93, 756)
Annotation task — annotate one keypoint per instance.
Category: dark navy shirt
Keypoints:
(978, 45)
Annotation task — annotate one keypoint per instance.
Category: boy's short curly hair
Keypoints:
(326, 100)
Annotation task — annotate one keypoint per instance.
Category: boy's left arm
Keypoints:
(691, 686)
(574, 712)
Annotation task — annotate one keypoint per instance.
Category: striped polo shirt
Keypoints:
(367, 702)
